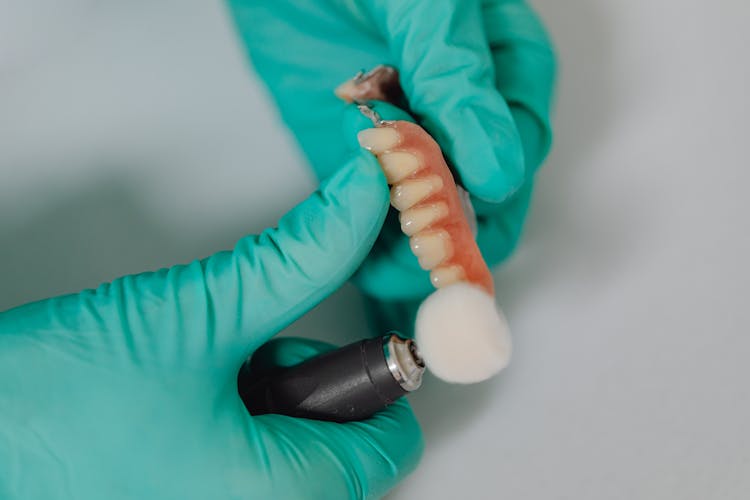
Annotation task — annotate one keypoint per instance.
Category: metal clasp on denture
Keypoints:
(369, 112)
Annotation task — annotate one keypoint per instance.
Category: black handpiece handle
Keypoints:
(350, 383)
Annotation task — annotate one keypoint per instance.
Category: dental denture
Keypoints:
(424, 192)
(461, 334)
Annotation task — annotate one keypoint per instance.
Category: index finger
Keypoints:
(448, 77)
(525, 65)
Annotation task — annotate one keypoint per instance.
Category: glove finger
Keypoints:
(500, 232)
(296, 49)
(533, 138)
(228, 304)
(525, 71)
(316, 247)
(330, 460)
(447, 75)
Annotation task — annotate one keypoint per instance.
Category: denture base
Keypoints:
(424, 191)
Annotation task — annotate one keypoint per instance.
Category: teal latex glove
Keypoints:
(478, 74)
(129, 390)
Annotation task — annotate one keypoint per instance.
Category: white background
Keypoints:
(132, 136)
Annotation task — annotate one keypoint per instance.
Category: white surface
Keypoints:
(485, 345)
(628, 299)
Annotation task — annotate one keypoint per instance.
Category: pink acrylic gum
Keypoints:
(424, 192)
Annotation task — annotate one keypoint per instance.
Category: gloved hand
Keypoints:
(129, 390)
(478, 74)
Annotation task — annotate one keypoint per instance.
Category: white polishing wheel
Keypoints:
(462, 335)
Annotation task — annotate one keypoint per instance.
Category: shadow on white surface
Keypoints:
(556, 243)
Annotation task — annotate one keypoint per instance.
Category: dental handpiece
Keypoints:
(349, 383)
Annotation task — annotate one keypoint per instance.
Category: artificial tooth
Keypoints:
(416, 219)
(346, 91)
(409, 193)
(444, 276)
(378, 140)
(398, 165)
(431, 248)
